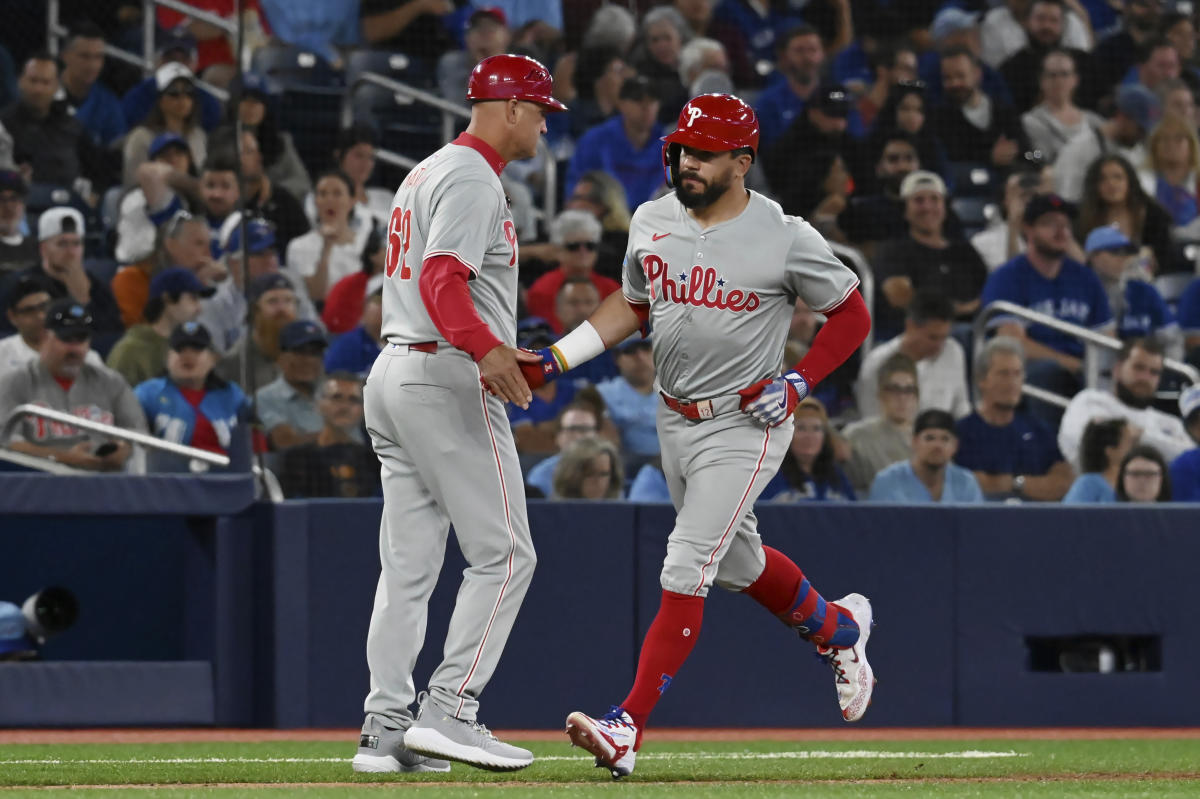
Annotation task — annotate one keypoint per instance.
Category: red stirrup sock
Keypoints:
(784, 590)
(668, 643)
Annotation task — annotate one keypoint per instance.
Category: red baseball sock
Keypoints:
(776, 588)
(783, 590)
(668, 643)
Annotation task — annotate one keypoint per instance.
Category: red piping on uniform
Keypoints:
(737, 514)
(511, 537)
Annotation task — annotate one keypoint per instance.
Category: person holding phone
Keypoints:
(62, 379)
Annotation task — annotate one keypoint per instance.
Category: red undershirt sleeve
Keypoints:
(443, 285)
(642, 309)
(846, 328)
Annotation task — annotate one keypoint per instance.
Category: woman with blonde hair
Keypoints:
(1173, 155)
(590, 469)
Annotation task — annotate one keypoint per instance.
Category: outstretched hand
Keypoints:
(502, 372)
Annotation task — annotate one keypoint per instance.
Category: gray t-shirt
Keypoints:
(99, 394)
(721, 298)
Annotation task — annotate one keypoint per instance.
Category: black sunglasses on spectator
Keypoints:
(576, 246)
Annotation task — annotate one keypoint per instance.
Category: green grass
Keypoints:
(1116, 768)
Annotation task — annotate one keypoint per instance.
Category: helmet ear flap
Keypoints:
(671, 163)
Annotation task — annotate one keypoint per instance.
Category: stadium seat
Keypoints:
(294, 67)
(972, 212)
(972, 179)
(397, 66)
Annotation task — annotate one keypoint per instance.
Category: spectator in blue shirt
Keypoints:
(1105, 444)
(190, 405)
(801, 55)
(1140, 311)
(577, 420)
(174, 47)
(650, 484)
(760, 24)
(94, 104)
(315, 25)
(1011, 453)
(627, 145)
(1045, 280)
(808, 472)
(631, 399)
(1185, 469)
(534, 428)
(930, 476)
(356, 350)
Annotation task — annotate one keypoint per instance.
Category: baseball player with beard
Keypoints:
(716, 270)
(446, 449)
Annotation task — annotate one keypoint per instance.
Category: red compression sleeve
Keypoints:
(846, 328)
(642, 309)
(447, 298)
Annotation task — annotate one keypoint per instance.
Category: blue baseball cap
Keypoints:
(164, 140)
(269, 282)
(1108, 239)
(1139, 104)
(260, 235)
(14, 635)
(178, 280)
(300, 334)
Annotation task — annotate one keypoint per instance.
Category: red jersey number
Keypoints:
(399, 231)
(510, 235)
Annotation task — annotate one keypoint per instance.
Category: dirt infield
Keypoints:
(136, 736)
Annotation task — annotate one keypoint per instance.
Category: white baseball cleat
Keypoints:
(610, 738)
(855, 678)
(381, 750)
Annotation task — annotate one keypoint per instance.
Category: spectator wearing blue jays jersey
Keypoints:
(1188, 312)
(1043, 279)
(1140, 311)
(808, 472)
(627, 146)
(1012, 453)
(355, 351)
(191, 405)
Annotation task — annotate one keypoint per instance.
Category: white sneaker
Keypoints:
(381, 750)
(436, 734)
(855, 678)
(610, 738)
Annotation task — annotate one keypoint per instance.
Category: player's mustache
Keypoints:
(693, 175)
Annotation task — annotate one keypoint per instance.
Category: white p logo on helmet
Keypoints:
(693, 113)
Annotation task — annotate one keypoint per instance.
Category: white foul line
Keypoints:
(812, 754)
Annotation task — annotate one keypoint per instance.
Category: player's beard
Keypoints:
(710, 194)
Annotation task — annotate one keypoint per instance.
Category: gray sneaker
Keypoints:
(436, 733)
(381, 750)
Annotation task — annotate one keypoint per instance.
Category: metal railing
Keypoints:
(450, 112)
(55, 30)
(132, 436)
(1092, 342)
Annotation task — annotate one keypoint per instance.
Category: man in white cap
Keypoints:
(60, 247)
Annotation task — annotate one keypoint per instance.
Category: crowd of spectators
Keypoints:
(194, 267)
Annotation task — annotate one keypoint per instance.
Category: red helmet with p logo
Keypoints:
(513, 77)
(713, 122)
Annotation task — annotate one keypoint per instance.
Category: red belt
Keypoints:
(689, 409)
(429, 347)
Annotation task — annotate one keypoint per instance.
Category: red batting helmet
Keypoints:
(716, 123)
(513, 77)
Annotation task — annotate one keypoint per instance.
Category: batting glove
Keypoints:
(539, 374)
(772, 401)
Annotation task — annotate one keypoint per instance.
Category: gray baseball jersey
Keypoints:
(721, 301)
(452, 203)
(99, 394)
(445, 445)
(721, 298)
